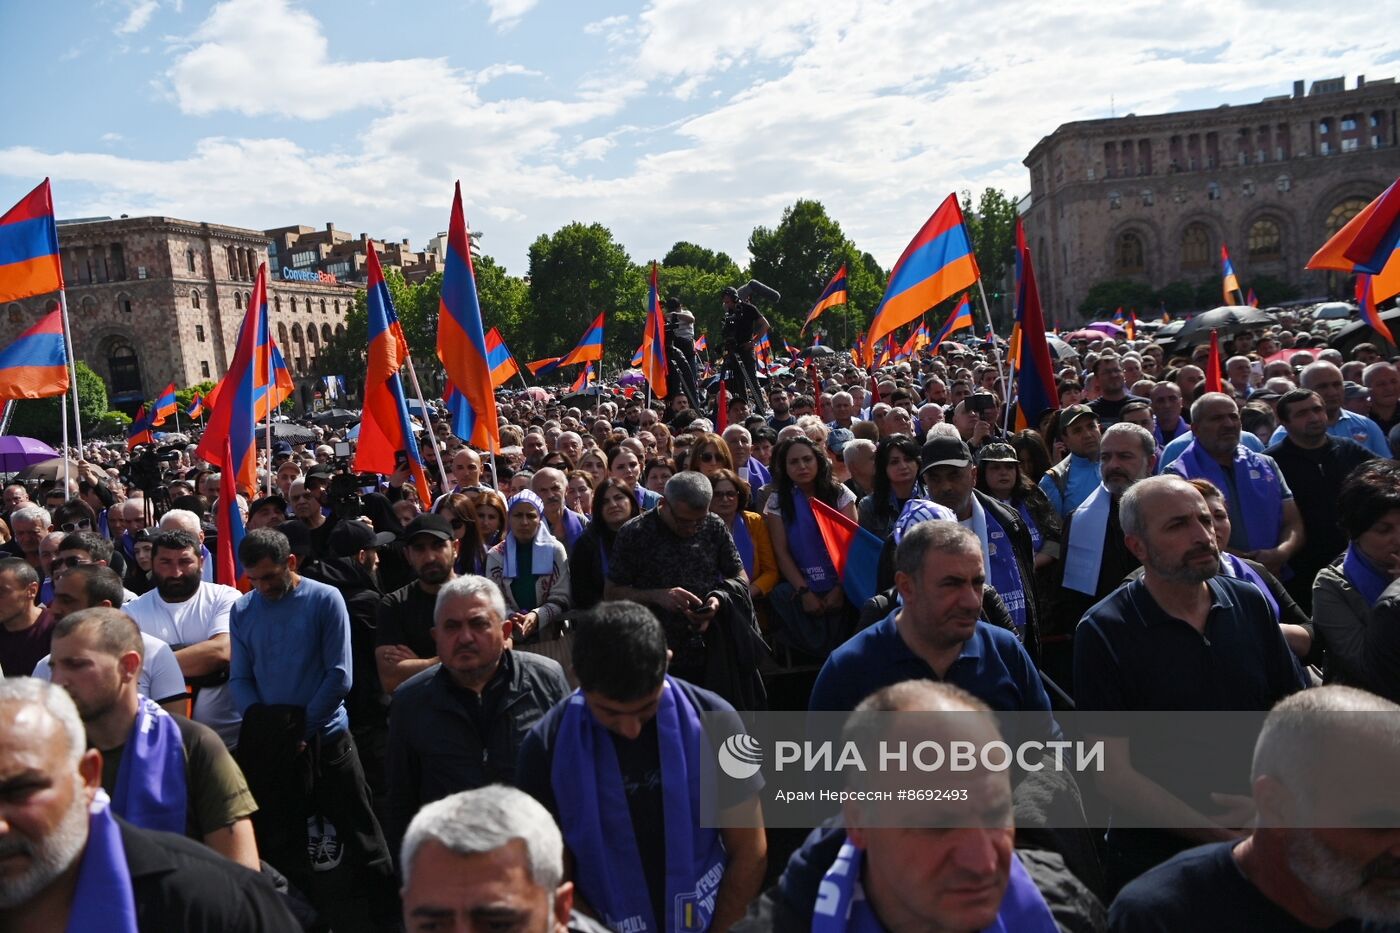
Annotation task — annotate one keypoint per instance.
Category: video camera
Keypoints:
(755, 289)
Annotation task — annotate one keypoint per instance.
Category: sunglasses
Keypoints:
(62, 563)
(708, 457)
(81, 524)
(726, 494)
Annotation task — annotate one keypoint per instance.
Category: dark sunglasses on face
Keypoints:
(62, 563)
(81, 524)
(708, 457)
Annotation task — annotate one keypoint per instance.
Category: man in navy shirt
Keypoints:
(1180, 638)
(1325, 758)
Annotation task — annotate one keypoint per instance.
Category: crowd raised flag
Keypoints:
(196, 409)
(34, 365)
(165, 406)
(1029, 356)
(1369, 243)
(854, 552)
(1231, 283)
(834, 294)
(228, 569)
(590, 346)
(936, 265)
(461, 341)
(960, 319)
(1366, 301)
(139, 431)
(499, 358)
(654, 361)
(29, 260)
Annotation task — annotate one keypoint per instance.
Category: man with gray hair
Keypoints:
(71, 865)
(1183, 637)
(679, 560)
(740, 443)
(1325, 379)
(459, 725)
(28, 524)
(1323, 769)
(491, 855)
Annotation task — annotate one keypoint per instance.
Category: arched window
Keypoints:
(238, 301)
(247, 300)
(1265, 240)
(323, 306)
(1283, 183)
(337, 306)
(1147, 197)
(282, 336)
(1213, 191)
(89, 306)
(1337, 218)
(125, 368)
(339, 331)
(124, 303)
(1129, 253)
(1115, 200)
(293, 300)
(1195, 247)
(277, 303)
(189, 260)
(194, 298)
(325, 333)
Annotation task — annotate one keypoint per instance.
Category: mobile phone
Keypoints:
(342, 449)
(400, 461)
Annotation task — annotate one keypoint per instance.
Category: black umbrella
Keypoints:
(1229, 319)
(1361, 332)
(335, 417)
(285, 431)
(817, 350)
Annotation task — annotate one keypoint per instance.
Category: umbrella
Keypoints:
(631, 377)
(1169, 330)
(1361, 332)
(50, 469)
(1334, 311)
(285, 431)
(354, 433)
(1059, 348)
(817, 350)
(335, 417)
(1108, 327)
(16, 453)
(537, 393)
(1227, 319)
(1084, 334)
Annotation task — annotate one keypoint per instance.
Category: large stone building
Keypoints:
(155, 299)
(1152, 199)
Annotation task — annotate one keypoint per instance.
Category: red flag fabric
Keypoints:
(1213, 377)
(721, 408)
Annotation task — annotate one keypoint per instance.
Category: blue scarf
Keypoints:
(1036, 537)
(999, 559)
(1363, 575)
(1084, 550)
(758, 474)
(807, 548)
(1234, 567)
(597, 824)
(1163, 440)
(744, 542)
(1259, 499)
(574, 524)
(541, 548)
(842, 906)
(103, 899)
(150, 790)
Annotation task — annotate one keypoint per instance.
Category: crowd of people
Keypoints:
(483, 710)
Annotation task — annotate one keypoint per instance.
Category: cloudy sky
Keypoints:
(662, 119)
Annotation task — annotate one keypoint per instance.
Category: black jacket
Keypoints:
(183, 885)
(435, 748)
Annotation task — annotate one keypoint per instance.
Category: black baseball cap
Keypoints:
(1073, 413)
(429, 524)
(265, 501)
(350, 537)
(944, 451)
(998, 453)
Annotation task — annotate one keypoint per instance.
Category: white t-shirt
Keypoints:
(844, 497)
(199, 618)
(160, 677)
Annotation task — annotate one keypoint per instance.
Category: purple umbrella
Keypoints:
(1108, 327)
(631, 377)
(16, 453)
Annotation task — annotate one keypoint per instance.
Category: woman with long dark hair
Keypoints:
(613, 506)
(460, 511)
(896, 482)
(809, 601)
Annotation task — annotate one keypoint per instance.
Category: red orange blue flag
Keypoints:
(1365, 300)
(29, 261)
(165, 406)
(196, 409)
(1034, 372)
(461, 341)
(1251, 299)
(228, 569)
(139, 431)
(654, 342)
(702, 345)
(637, 357)
(854, 552)
(1369, 241)
(230, 435)
(961, 319)
(584, 380)
(541, 368)
(834, 294)
(936, 265)
(590, 345)
(1231, 282)
(386, 436)
(34, 365)
(499, 358)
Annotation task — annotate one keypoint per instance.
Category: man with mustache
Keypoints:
(459, 725)
(1183, 637)
(403, 636)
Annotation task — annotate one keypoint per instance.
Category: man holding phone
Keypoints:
(976, 420)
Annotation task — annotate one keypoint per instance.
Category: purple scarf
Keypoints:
(807, 547)
(744, 542)
(150, 790)
(1031, 526)
(597, 824)
(1259, 501)
(574, 524)
(1242, 571)
(1162, 439)
(103, 899)
(839, 909)
(1363, 575)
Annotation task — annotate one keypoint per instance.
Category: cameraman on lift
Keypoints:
(680, 349)
(744, 324)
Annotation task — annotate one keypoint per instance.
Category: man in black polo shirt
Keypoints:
(1180, 638)
(1113, 394)
(1314, 463)
(404, 638)
(458, 725)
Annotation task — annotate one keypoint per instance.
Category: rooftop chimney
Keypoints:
(1360, 82)
(330, 228)
(1297, 88)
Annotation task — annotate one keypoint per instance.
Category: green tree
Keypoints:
(1104, 298)
(416, 306)
(184, 397)
(1178, 296)
(698, 291)
(992, 225)
(706, 260)
(504, 298)
(1209, 294)
(41, 418)
(577, 273)
(1271, 290)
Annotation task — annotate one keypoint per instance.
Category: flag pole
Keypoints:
(271, 384)
(428, 426)
(991, 332)
(72, 371)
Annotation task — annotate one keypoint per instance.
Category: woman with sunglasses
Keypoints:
(491, 517)
(624, 464)
(808, 601)
(709, 453)
(729, 499)
(531, 567)
(461, 513)
(896, 482)
(613, 506)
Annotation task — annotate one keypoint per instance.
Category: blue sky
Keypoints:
(662, 119)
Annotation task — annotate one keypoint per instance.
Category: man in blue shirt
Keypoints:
(1072, 480)
(291, 653)
(1326, 380)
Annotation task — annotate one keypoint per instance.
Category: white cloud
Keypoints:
(137, 17)
(110, 137)
(506, 13)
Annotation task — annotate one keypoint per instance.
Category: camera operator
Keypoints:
(744, 324)
(680, 348)
(976, 418)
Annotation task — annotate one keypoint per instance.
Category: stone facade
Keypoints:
(1153, 199)
(155, 299)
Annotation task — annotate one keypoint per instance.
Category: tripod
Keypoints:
(746, 386)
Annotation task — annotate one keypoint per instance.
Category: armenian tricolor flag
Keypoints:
(590, 348)
(196, 409)
(29, 261)
(584, 380)
(139, 431)
(1251, 299)
(1231, 282)
(461, 341)
(499, 358)
(541, 368)
(834, 294)
(34, 365)
(654, 342)
(961, 319)
(1369, 243)
(637, 357)
(702, 345)
(1366, 301)
(1029, 356)
(936, 265)
(165, 406)
(228, 569)
(854, 551)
